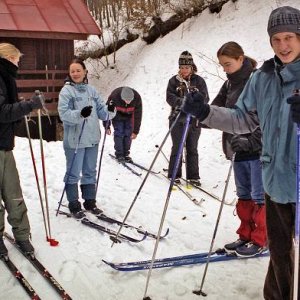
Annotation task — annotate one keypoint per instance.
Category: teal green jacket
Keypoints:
(263, 103)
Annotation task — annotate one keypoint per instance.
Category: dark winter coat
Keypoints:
(131, 112)
(227, 97)
(10, 109)
(176, 91)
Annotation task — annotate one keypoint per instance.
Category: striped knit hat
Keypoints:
(185, 58)
(284, 19)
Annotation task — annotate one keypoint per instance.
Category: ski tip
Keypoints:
(167, 232)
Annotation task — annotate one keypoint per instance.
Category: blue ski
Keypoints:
(178, 261)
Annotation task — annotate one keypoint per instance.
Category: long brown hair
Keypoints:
(234, 50)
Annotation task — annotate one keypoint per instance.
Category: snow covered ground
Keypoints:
(76, 263)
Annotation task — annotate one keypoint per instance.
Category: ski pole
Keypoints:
(164, 155)
(71, 166)
(147, 175)
(36, 176)
(174, 173)
(52, 241)
(200, 291)
(297, 214)
(101, 153)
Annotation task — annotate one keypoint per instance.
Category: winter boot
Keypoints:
(3, 249)
(259, 233)
(89, 195)
(177, 181)
(91, 206)
(249, 250)
(195, 182)
(231, 247)
(121, 159)
(244, 209)
(128, 159)
(75, 209)
(25, 246)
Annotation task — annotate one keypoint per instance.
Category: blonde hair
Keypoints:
(9, 50)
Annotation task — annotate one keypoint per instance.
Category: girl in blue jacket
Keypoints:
(79, 107)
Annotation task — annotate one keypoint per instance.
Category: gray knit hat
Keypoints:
(127, 93)
(284, 19)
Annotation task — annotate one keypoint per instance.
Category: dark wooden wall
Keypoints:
(38, 53)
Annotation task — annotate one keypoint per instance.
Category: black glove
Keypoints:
(295, 107)
(36, 101)
(240, 144)
(194, 105)
(111, 105)
(86, 111)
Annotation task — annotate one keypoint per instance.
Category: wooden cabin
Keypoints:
(44, 31)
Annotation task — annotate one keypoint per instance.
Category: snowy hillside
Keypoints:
(77, 262)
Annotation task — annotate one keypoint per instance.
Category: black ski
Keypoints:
(143, 168)
(112, 233)
(105, 218)
(19, 276)
(126, 166)
(41, 269)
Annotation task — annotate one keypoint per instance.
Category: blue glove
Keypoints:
(294, 101)
(194, 105)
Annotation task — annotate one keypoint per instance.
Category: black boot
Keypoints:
(3, 249)
(75, 209)
(91, 206)
(25, 246)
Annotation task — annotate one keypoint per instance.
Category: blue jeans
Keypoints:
(248, 180)
(122, 137)
(84, 165)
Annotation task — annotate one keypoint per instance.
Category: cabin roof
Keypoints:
(40, 18)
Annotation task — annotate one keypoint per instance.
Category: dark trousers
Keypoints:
(192, 164)
(280, 227)
(122, 137)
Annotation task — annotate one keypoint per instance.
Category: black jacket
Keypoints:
(132, 111)
(227, 97)
(10, 109)
(176, 91)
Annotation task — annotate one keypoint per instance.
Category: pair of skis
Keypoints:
(201, 189)
(38, 266)
(112, 233)
(176, 261)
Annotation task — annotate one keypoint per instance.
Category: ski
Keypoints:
(143, 168)
(19, 276)
(126, 166)
(188, 195)
(105, 218)
(41, 269)
(112, 233)
(179, 261)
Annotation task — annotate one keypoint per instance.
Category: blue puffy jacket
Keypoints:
(263, 103)
(72, 98)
